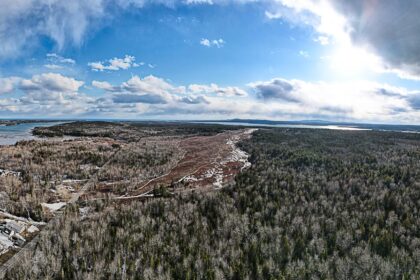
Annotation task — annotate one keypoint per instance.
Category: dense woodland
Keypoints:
(130, 131)
(315, 204)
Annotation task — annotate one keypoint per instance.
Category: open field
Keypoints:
(208, 161)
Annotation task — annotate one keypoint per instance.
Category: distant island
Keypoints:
(12, 122)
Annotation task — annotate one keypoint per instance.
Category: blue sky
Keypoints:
(202, 59)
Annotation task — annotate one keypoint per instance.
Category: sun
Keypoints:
(353, 62)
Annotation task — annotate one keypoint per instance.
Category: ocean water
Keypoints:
(332, 127)
(9, 135)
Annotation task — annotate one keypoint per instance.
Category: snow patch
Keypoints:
(4, 173)
(5, 242)
(84, 211)
(54, 206)
(32, 229)
(190, 178)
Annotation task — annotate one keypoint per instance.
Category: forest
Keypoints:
(130, 131)
(315, 204)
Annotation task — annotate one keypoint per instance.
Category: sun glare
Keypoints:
(353, 62)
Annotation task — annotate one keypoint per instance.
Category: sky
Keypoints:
(333, 60)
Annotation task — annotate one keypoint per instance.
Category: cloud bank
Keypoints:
(56, 95)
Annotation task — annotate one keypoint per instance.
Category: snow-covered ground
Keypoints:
(4, 173)
(5, 244)
(84, 212)
(21, 219)
(32, 229)
(237, 155)
(14, 229)
(217, 172)
(54, 206)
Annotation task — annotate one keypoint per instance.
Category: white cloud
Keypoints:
(58, 62)
(150, 84)
(114, 64)
(154, 86)
(103, 85)
(356, 100)
(7, 85)
(205, 42)
(379, 39)
(150, 90)
(53, 66)
(50, 82)
(51, 94)
(215, 89)
(22, 22)
(189, 2)
(369, 25)
(48, 94)
(304, 54)
(323, 40)
(55, 58)
(276, 98)
(218, 43)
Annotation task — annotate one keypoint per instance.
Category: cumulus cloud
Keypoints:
(358, 100)
(155, 90)
(218, 43)
(7, 85)
(414, 101)
(114, 64)
(276, 89)
(57, 95)
(215, 89)
(389, 28)
(276, 98)
(105, 86)
(194, 100)
(47, 94)
(150, 89)
(150, 84)
(140, 98)
(386, 29)
(52, 93)
(50, 82)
